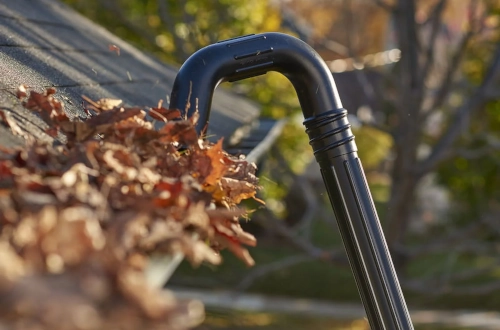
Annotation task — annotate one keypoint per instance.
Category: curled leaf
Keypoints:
(163, 114)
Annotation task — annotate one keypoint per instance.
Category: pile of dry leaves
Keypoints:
(79, 220)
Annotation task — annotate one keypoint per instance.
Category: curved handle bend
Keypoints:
(250, 56)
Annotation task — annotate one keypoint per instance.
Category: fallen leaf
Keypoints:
(236, 190)
(7, 118)
(114, 48)
(108, 104)
(163, 114)
(218, 167)
(21, 92)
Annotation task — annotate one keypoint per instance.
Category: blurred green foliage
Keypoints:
(374, 146)
(473, 174)
(174, 29)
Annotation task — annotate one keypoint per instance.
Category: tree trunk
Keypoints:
(399, 211)
(406, 132)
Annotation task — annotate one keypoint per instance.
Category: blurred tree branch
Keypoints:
(435, 22)
(461, 120)
(268, 220)
(263, 270)
(383, 4)
(167, 19)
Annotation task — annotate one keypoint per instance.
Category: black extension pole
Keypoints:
(333, 145)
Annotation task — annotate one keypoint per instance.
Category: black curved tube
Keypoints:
(333, 145)
(250, 56)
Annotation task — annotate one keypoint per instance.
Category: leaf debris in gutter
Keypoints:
(78, 221)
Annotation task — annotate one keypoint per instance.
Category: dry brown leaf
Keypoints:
(12, 266)
(236, 190)
(163, 114)
(114, 48)
(200, 252)
(21, 92)
(218, 167)
(181, 131)
(241, 253)
(108, 104)
(44, 103)
(113, 116)
(7, 118)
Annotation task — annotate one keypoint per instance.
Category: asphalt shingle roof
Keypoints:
(44, 43)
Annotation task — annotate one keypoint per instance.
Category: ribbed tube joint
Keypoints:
(330, 134)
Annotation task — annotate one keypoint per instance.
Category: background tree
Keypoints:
(439, 103)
